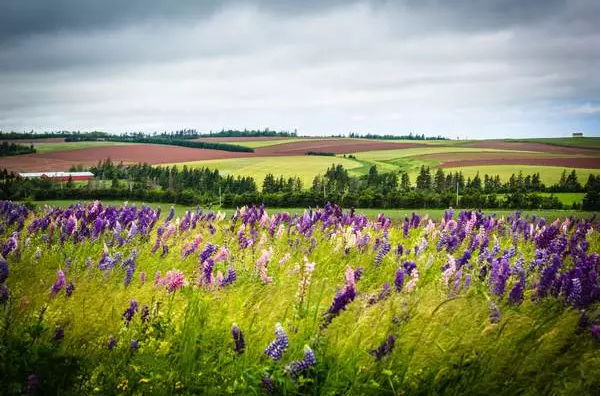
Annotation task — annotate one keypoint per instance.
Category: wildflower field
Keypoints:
(107, 300)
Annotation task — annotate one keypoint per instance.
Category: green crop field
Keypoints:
(266, 143)
(43, 147)
(304, 166)
(565, 198)
(549, 174)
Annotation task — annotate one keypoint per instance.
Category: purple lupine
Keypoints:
(399, 279)
(358, 273)
(267, 384)
(516, 295)
(575, 295)
(144, 313)
(468, 281)
(399, 250)
(384, 349)
(207, 278)
(384, 249)
(171, 214)
(342, 298)
(299, 366)
(4, 293)
(32, 384)
(58, 336)
(494, 314)
(409, 267)
(229, 278)
(130, 312)
(59, 283)
(3, 270)
(548, 277)
(112, 342)
(69, 289)
(239, 344)
(278, 346)
(499, 275)
(134, 345)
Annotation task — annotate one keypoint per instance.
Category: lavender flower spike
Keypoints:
(298, 366)
(238, 337)
(278, 346)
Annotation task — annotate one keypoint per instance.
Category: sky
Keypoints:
(462, 68)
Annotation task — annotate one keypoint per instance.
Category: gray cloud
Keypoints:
(487, 68)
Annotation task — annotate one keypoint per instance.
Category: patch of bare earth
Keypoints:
(569, 162)
(530, 146)
(145, 153)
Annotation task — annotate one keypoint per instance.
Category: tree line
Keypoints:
(410, 136)
(204, 186)
(8, 149)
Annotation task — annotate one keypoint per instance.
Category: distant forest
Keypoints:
(186, 134)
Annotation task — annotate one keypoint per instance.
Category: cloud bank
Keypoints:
(467, 68)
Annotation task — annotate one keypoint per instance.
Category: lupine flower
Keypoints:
(238, 337)
(70, 288)
(4, 293)
(299, 366)
(142, 277)
(499, 275)
(58, 336)
(207, 272)
(278, 346)
(144, 314)
(413, 281)
(112, 342)
(222, 254)
(171, 214)
(157, 278)
(399, 279)
(3, 270)
(134, 345)
(285, 259)
(32, 383)
(384, 349)
(229, 278)
(548, 277)
(130, 312)
(267, 384)
(494, 314)
(59, 283)
(343, 297)
(384, 249)
(173, 280)
(261, 265)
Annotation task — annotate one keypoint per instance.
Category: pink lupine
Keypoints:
(285, 259)
(261, 265)
(222, 254)
(142, 277)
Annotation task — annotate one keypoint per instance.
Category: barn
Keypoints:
(59, 176)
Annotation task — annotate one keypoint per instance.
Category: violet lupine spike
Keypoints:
(130, 312)
(3, 271)
(229, 278)
(494, 314)
(548, 277)
(384, 249)
(32, 384)
(58, 336)
(239, 344)
(516, 295)
(267, 384)
(298, 366)
(385, 349)
(144, 314)
(69, 289)
(278, 346)
(112, 342)
(134, 345)
(399, 279)
(59, 283)
(171, 214)
(4, 293)
(499, 275)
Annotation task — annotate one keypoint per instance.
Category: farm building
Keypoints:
(577, 134)
(59, 176)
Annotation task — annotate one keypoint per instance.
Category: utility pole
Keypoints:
(220, 196)
(457, 201)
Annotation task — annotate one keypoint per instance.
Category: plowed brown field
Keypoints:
(540, 147)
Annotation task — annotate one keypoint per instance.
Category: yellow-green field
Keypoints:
(549, 174)
(304, 166)
(45, 147)
(266, 143)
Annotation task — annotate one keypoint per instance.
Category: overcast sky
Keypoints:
(467, 68)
